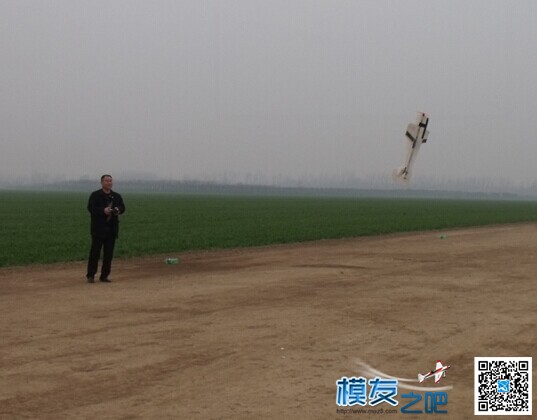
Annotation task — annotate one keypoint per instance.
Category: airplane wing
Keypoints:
(438, 375)
(412, 132)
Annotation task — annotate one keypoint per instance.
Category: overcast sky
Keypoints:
(267, 90)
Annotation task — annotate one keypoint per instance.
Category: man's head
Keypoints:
(106, 183)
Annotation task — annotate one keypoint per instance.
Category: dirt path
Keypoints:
(264, 332)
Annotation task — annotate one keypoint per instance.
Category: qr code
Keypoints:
(502, 386)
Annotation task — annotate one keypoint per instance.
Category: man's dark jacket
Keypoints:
(101, 224)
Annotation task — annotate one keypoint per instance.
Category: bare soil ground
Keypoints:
(264, 332)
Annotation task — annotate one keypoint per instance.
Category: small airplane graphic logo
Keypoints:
(438, 373)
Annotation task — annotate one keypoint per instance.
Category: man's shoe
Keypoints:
(106, 280)
(90, 279)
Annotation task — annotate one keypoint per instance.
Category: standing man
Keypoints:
(105, 206)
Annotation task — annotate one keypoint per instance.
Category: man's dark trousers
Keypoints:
(106, 243)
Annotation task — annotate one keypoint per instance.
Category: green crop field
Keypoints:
(44, 227)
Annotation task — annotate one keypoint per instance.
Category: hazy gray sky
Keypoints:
(267, 89)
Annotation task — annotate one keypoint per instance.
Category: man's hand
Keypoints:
(108, 211)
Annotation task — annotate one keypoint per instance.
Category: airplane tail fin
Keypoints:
(401, 175)
(421, 378)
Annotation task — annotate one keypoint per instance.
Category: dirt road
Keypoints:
(264, 333)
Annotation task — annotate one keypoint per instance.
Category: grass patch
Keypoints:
(45, 227)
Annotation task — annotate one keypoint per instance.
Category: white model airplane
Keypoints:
(416, 135)
(438, 373)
